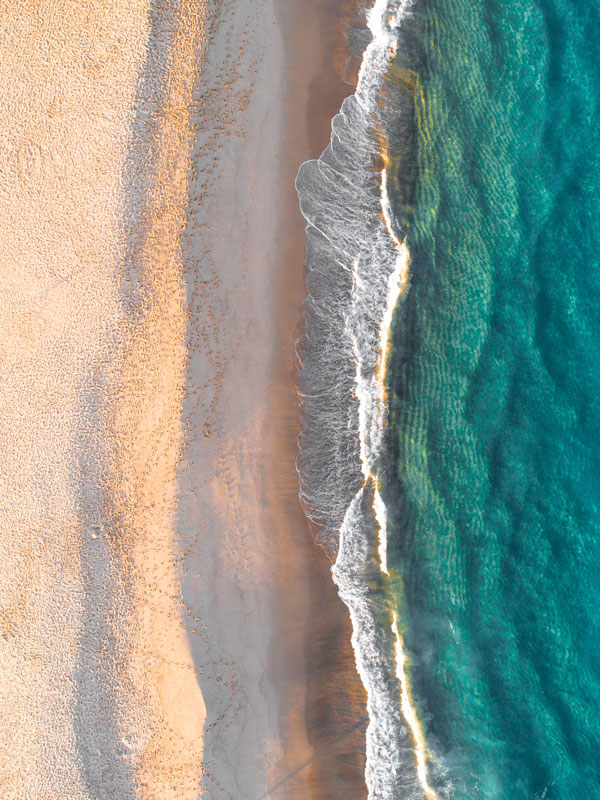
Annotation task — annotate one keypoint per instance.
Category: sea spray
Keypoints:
(357, 270)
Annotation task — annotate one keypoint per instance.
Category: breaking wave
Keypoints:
(357, 270)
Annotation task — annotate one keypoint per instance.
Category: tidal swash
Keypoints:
(449, 452)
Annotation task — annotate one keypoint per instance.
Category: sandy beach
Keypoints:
(95, 162)
(168, 627)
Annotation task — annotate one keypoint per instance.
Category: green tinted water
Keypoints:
(495, 397)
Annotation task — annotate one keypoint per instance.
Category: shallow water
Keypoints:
(493, 479)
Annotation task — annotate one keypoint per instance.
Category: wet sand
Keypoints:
(285, 707)
(320, 67)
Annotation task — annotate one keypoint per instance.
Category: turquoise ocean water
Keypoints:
(493, 484)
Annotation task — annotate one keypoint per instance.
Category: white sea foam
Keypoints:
(357, 271)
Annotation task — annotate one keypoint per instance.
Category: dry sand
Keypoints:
(169, 630)
(98, 687)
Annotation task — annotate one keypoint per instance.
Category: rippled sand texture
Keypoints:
(98, 691)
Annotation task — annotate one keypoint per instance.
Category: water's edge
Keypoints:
(357, 270)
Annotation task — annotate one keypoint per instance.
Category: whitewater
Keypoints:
(357, 271)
